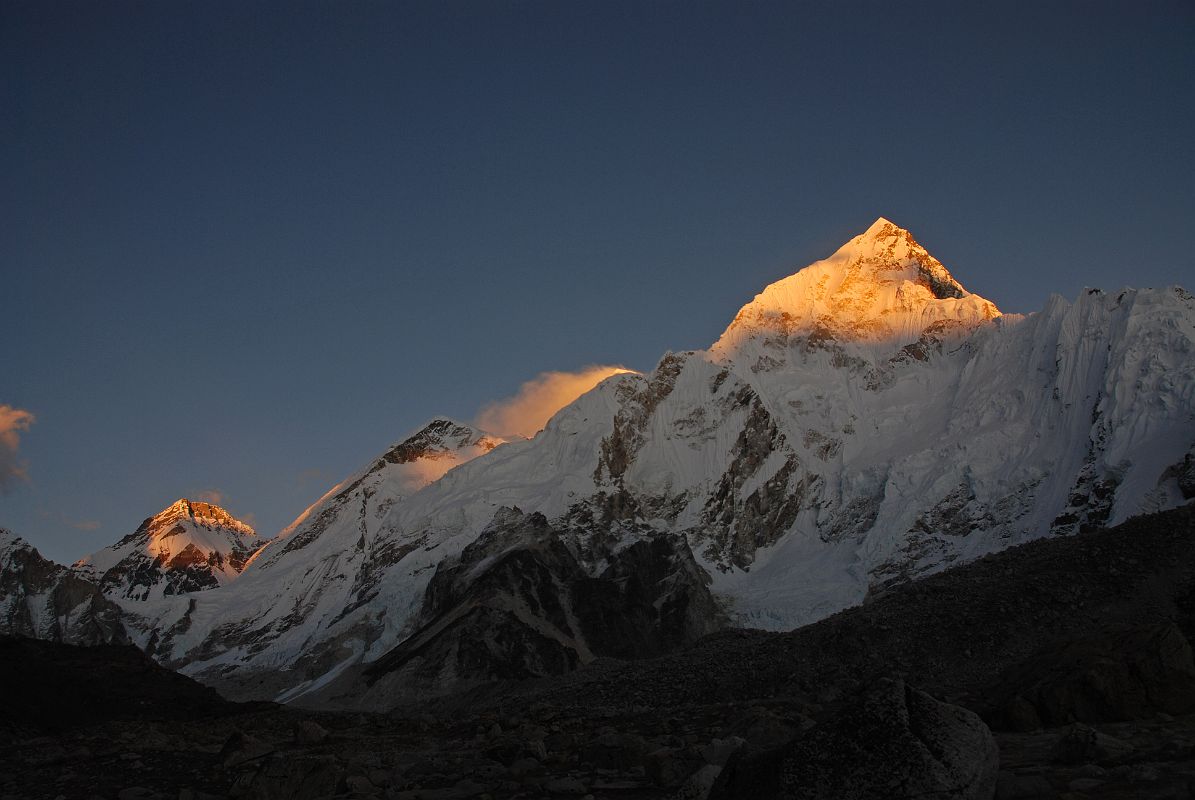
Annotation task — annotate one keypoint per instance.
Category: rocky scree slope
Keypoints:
(814, 713)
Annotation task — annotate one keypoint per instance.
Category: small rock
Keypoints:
(1080, 743)
(359, 784)
(719, 750)
(187, 793)
(1144, 773)
(308, 731)
(467, 788)
(526, 766)
(1084, 784)
(240, 748)
(1010, 786)
(842, 759)
(1091, 771)
(698, 785)
(668, 767)
(566, 785)
(135, 793)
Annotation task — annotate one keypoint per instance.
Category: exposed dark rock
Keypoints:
(57, 686)
(1081, 744)
(44, 600)
(1124, 674)
(290, 777)
(1183, 473)
(892, 742)
(309, 732)
(735, 524)
(240, 748)
(521, 602)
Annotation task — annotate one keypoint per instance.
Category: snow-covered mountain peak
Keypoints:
(188, 546)
(440, 438)
(880, 287)
(207, 515)
(10, 541)
(357, 505)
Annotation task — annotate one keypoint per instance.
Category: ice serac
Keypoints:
(187, 547)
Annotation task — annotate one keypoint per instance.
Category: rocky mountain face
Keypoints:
(188, 547)
(527, 599)
(860, 423)
(43, 600)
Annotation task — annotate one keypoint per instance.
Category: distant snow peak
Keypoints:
(440, 438)
(356, 506)
(432, 451)
(882, 287)
(202, 513)
(186, 547)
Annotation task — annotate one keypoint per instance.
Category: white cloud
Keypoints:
(538, 399)
(213, 496)
(13, 422)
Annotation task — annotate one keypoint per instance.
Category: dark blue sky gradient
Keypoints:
(245, 246)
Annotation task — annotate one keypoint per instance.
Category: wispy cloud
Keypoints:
(538, 399)
(61, 518)
(13, 422)
(213, 496)
(313, 475)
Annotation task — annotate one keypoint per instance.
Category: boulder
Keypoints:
(889, 742)
(1081, 744)
(241, 748)
(1117, 675)
(290, 778)
(308, 731)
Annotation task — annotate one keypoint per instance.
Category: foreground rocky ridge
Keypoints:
(778, 715)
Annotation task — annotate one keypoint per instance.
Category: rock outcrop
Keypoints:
(44, 600)
(527, 599)
(1120, 674)
(892, 743)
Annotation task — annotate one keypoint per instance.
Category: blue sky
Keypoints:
(247, 245)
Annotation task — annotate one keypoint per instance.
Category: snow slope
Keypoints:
(318, 580)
